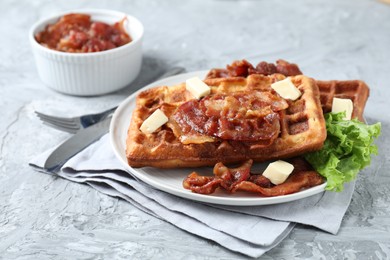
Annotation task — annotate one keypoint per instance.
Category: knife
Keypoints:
(75, 144)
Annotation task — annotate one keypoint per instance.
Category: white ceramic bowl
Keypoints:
(88, 74)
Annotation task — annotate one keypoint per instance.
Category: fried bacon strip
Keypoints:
(239, 116)
(241, 179)
(243, 68)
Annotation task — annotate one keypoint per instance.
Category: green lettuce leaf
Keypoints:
(347, 150)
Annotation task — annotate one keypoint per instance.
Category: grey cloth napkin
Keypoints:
(260, 227)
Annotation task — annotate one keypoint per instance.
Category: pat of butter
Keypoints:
(197, 87)
(341, 105)
(286, 89)
(277, 172)
(154, 121)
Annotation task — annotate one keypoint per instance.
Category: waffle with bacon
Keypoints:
(303, 176)
(294, 127)
(356, 90)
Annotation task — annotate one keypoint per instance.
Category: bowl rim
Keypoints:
(45, 21)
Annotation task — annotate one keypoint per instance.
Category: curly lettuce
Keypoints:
(347, 150)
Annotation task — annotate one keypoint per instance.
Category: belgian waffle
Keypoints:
(302, 127)
(356, 90)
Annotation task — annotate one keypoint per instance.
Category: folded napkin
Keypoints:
(250, 230)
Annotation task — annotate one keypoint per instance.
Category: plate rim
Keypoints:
(229, 201)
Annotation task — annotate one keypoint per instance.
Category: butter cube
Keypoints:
(197, 87)
(286, 89)
(153, 122)
(341, 105)
(277, 172)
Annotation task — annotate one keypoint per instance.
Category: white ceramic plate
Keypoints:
(170, 180)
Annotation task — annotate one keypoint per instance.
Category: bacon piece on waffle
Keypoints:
(237, 116)
(240, 179)
(243, 68)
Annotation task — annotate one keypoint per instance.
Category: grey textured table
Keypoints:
(42, 217)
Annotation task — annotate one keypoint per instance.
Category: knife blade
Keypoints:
(75, 144)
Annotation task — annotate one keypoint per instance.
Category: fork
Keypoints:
(73, 124)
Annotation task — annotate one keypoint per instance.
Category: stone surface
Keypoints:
(42, 217)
